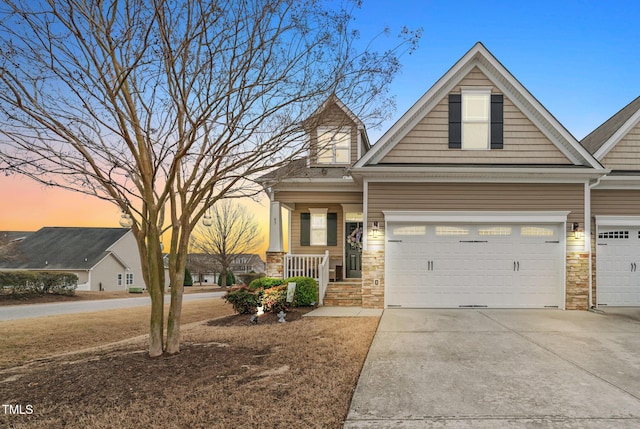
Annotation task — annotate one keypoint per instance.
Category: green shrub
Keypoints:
(306, 290)
(231, 279)
(274, 299)
(247, 278)
(243, 300)
(265, 283)
(38, 283)
(188, 280)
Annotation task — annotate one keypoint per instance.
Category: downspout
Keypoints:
(587, 234)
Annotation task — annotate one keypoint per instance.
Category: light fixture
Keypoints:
(578, 233)
(125, 220)
(375, 228)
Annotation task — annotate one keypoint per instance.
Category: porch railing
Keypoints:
(314, 266)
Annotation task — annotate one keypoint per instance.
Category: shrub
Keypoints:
(247, 278)
(231, 279)
(188, 280)
(265, 283)
(38, 283)
(274, 299)
(306, 290)
(243, 300)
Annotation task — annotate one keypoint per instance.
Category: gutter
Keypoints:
(588, 188)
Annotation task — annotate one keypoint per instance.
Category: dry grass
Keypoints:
(299, 374)
(28, 339)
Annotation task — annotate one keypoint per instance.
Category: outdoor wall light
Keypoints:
(375, 228)
(578, 233)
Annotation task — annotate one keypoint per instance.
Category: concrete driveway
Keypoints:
(501, 369)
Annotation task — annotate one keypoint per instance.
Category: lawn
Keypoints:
(229, 374)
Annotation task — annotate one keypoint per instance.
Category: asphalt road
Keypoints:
(28, 311)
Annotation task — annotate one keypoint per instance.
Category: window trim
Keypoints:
(333, 144)
(127, 277)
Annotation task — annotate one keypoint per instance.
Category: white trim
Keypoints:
(617, 136)
(617, 221)
(587, 240)
(618, 182)
(365, 215)
(476, 216)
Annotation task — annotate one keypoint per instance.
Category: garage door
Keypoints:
(617, 261)
(469, 265)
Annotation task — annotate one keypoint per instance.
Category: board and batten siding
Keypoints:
(428, 141)
(626, 154)
(477, 197)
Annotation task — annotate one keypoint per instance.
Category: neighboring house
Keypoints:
(205, 268)
(476, 197)
(102, 258)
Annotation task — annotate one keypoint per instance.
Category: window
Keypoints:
(334, 145)
(120, 279)
(451, 231)
(318, 228)
(129, 279)
(496, 231)
(615, 235)
(475, 120)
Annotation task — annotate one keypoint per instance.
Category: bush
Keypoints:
(274, 299)
(243, 300)
(38, 283)
(306, 291)
(247, 278)
(188, 280)
(265, 283)
(231, 279)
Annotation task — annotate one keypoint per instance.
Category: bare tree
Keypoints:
(164, 107)
(229, 230)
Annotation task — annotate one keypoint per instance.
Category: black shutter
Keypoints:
(497, 141)
(332, 229)
(455, 121)
(305, 229)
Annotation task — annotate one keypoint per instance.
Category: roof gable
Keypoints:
(61, 248)
(603, 139)
(498, 76)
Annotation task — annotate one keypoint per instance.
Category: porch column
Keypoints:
(275, 252)
(275, 227)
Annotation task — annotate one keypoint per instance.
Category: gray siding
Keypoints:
(626, 154)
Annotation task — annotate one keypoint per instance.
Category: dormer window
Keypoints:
(334, 145)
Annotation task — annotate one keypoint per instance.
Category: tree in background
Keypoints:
(229, 230)
(165, 107)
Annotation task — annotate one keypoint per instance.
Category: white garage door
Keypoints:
(485, 265)
(617, 263)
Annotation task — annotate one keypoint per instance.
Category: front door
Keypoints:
(353, 252)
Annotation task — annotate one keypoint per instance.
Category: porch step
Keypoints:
(345, 293)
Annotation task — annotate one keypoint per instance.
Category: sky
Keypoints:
(580, 59)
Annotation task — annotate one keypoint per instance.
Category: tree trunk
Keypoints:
(156, 292)
(177, 268)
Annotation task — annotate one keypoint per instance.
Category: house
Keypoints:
(476, 197)
(247, 263)
(102, 258)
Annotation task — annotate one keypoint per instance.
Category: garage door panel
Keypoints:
(474, 265)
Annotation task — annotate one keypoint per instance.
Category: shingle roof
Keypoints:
(604, 132)
(64, 248)
(298, 169)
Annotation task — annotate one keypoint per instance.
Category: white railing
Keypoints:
(314, 266)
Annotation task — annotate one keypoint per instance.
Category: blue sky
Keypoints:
(580, 59)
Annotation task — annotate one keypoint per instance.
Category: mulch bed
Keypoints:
(264, 319)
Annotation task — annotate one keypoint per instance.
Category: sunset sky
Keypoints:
(580, 59)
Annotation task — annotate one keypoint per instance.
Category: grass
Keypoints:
(230, 374)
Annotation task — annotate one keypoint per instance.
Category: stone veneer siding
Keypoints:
(372, 269)
(275, 264)
(577, 297)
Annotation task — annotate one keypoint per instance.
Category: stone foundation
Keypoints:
(577, 297)
(275, 264)
(372, 270)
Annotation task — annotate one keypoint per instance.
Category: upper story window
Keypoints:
(334, 145)
(476, 120)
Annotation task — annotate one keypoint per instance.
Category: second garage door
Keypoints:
(474, 265)
(617, 266)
